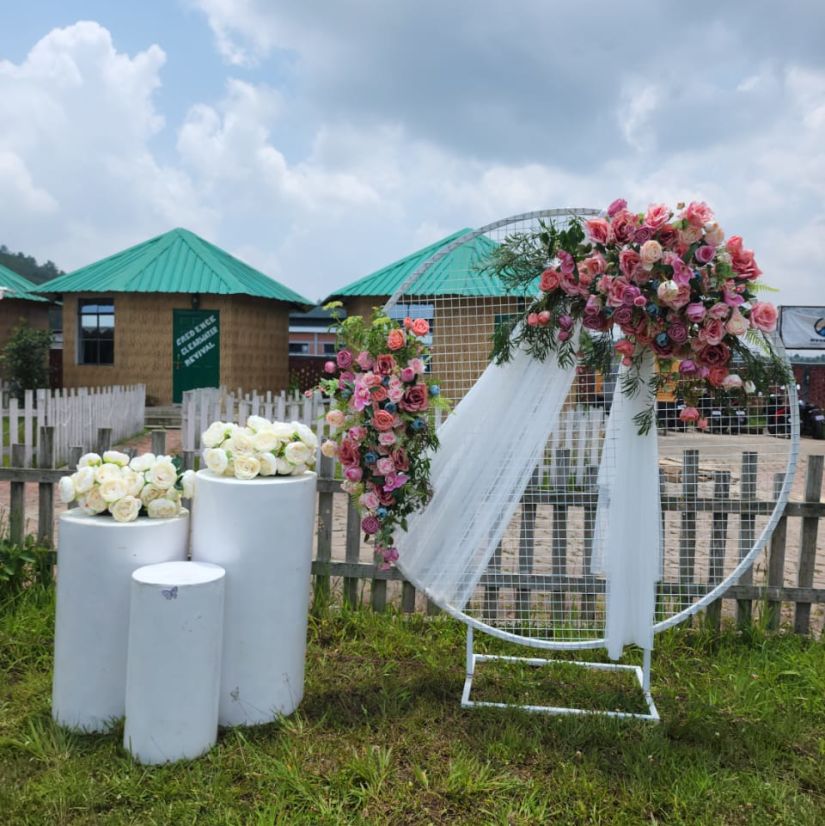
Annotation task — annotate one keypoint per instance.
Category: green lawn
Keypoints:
(380, 738)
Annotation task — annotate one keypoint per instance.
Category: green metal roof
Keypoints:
(18, 287)
(176, 262)
(457, 273)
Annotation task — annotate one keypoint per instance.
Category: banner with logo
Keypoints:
(802, 328)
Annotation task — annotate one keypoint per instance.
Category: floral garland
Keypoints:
(260, 448)
(125, 488)
(381, 430)
(668, 281)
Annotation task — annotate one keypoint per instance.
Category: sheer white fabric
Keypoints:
(489, 447)
(628, 532)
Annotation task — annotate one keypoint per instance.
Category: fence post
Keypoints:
(687, 537)
(352, 552)
(17, 515)
(159, 442)
(776, 557)
(807, 545)
(324, 552)
(104, 439)
(718, 542)
(75, 452)
(747, 531)
(45, 515)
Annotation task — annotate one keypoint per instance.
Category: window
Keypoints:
(96, 331)
(329, 348)
(299, 347)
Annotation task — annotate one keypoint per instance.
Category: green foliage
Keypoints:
(27, 266)
(24, 566)
(380, 738)
(26, 358)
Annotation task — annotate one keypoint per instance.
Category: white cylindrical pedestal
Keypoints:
(174, 664)
(95, 560)
(260, 531)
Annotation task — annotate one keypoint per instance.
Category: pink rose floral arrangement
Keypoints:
(662, 281)
(381, 421)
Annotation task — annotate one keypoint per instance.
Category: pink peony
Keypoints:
(348, 453)
(763, 316)
(357, 434)
(657, 214)
(688, 367)
(697, 213)
(617, 206)
(418, 365)
(624, 226)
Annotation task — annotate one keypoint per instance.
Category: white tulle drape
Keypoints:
(489, 447)
(628, 531)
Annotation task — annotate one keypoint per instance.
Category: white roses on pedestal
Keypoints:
(125, 487)
(261, 448)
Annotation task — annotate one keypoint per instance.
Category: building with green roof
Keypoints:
(174, 313)
(20, 303)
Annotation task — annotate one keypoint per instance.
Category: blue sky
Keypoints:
(322, 140)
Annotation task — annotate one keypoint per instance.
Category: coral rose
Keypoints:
(598, 229)
(382, 420)
(549, 281)
(395, 339)
(421, 326)
(763, 316)
(415, 399)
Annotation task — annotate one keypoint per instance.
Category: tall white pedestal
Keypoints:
(174, 664)
(95, 560)
(260, 531)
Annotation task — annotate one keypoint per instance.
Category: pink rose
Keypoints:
(763, 316)
(677, 331)
(667, 235)
(623, 226)
(625, 347)
(418, 366)
(714, 235)
(415, 399)
(712, 332)
(689, 414)
(704, 254)
(737, 324)
(629, 260)
(385, 466)
(688, 368)
(717, 376)
(365, 360)
(742, 260)
(395, 339)
(378, 394)
(386, 438)
(382, 420)
(357, 434)
(372, 379)
(657, 214)
(623, 315)
(544, 318)
(349, 454)
(690, 235)
(549, 281)
(617, 206)
(697, 213)
(400, 459)
(330, 367)
(720, 311)
(421, 327)
(370, 525)
(369, 500)
(714, 355)
(566, 263)
(344, 359)
(598, 229)
(407, 374)
(643, 234)
(732, 382)
(353, 473)
(532, 319)
(385, 364)
(650, 253)
(695, 312)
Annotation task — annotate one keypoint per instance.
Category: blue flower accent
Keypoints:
(608, 311)
(381, 513)
(345, 394)
(435, 390)
(385, 381)
(418, 425)
(390, 407)
(370, 458)
(652, 310)
(662, 339)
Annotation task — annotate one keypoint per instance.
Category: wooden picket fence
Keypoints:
(338, 567)
(75, 416)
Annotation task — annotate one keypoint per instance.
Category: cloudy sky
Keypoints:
(321, 140)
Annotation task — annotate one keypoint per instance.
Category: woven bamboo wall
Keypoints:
(363, 305)
(15, 310)
(254, 342)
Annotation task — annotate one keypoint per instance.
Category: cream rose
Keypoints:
(257, 423)
(163, 508)
(284, 467)
(84, 479)
(299, 469)
(66, 489)
(329, 449)
(162, 474)
(125, 509)
(133, 481)
(335, 418)
(269, 464)
(246, 466)
(297, 453)
(306, 434)
(105, 472)
(112, 489)
(216, 459)
(142, 463)
(266, 440)
(241, 441)
(115, 457)
(216, 433)
(650, 252)
(88, 460)
(714, 234)
(93, 502)
(149, 493)
(285, 431)
(188, 482)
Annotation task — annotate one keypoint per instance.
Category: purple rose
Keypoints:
(617, 206)
(344, 359)
(594, 321)
(623, 315)
(393, 481)
(370, 525)
(415, 399)
(565, 261)
(688, 368)
(704, 254)
(695, 312)
(565, 322)
(643, 234)
(677, 332)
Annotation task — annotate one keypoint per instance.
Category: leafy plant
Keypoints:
(25, 565)
(25, 358)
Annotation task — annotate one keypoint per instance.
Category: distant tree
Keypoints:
(26, 359)
(27, 266)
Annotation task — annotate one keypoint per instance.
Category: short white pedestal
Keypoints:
(260, 531)
(174, 664)
(95, 560)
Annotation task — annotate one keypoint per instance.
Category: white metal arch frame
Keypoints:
(746, 561)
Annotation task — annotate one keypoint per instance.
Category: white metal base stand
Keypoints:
(642, 674)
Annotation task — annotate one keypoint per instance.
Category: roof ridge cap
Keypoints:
(186, 236)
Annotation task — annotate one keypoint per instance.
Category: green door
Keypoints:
(196, 350)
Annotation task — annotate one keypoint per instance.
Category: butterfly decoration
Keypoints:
(170, 593)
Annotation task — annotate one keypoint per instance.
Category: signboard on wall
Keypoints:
(196, 349)
(802, 328)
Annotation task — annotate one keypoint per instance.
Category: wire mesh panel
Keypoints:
(721, 488)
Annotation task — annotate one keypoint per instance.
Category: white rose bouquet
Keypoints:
(262, 448)
(126, 488)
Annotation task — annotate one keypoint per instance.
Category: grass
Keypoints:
(380, 738)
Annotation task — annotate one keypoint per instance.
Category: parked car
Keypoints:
(811, 420)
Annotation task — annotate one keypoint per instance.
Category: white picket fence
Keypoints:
(75, 413)
(201, 407)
